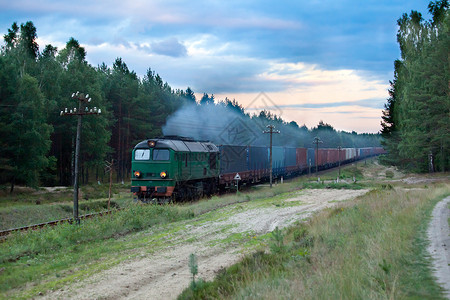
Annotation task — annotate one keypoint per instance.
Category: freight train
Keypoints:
(175, 168)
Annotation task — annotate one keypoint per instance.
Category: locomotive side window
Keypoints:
(142, 154)
(161, 154)
(212, 161)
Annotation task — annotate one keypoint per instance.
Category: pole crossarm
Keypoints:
(81, 111)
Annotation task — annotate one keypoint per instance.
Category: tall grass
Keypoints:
(372, 249)
(23, 215)
(49, 239)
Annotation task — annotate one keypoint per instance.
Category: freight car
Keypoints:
(179, 168)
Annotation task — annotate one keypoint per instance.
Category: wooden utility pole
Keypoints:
(82, 111)
(271, 131)
(109, 168)
(339, 153)
(317, 141)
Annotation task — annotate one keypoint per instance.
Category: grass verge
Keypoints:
(25, 256)
(374, 248)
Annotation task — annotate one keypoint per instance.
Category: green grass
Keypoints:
(23, 215)
(28, 196)
(27, 206)
(372, 249)
(333, 185)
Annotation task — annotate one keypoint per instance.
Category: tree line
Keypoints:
(37, 144)
(416, 118)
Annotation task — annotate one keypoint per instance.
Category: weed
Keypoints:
(277, 241)
(386, 267)
(193, 267)
(387, 187)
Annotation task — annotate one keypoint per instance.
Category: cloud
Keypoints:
(309, 56)
(169, 47)
(376, 103)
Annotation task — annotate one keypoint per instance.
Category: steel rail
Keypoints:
(5, 233)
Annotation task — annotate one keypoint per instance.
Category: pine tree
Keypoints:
(415, 122)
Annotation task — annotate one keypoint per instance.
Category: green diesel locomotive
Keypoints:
(174, 168)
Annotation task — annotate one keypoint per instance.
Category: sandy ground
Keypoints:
(164, 275)
(439, 236)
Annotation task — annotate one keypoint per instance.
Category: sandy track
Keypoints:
(164, 274)
(439, 248)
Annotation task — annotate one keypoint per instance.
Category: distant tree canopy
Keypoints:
(416, 118)
(37, 144)
(226, 122)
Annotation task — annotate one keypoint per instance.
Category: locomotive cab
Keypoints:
(152, 170)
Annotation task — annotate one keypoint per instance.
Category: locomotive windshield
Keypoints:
(161, 154)
(142, 154)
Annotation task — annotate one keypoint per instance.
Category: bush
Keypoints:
(389, 174)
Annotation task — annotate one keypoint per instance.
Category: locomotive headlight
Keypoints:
(137, 174)
(151, 144)
(163, 174)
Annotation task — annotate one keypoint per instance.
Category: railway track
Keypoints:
(4, 233)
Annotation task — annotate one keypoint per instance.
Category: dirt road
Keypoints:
(439, 248)
(218, 241)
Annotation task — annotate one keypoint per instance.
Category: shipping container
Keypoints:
(348, 153)
(258, 158)
(233, 159)
(379, 150)
(322, 157)
(342, 154)
(365, 152)
(332, 156)
(301, 158)
(278, 160)
(290, 157)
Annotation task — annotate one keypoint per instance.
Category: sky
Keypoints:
(306, 61)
